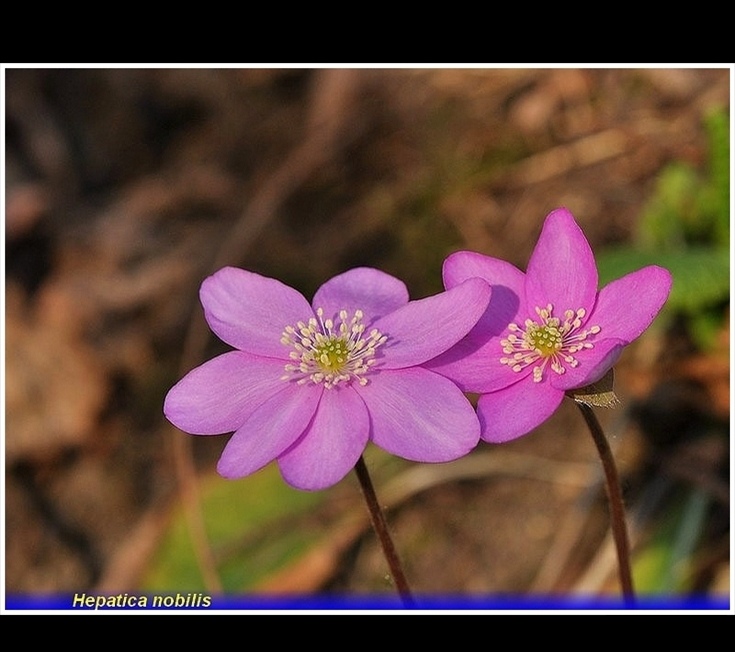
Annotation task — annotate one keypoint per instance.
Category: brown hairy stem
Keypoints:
(615, 500)
(381, 529)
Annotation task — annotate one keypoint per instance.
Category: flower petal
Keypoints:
(476, 368)
(331, 445)
(219, 395)
(593, 364)
(461, 265)
(250, 311)
(627, 306)
(420, 415)
(363, 288)
(270, 430)
(517, 409)
(423, 329)
(473, 363)
(561, 270)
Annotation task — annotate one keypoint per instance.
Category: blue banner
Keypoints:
(89, 601)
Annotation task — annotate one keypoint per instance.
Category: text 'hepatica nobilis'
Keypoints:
(309, 385)
(547, 331)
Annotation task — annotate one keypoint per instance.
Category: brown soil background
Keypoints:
(125, 187)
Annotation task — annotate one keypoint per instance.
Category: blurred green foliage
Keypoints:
(240, 519)
(665, 565)
(685, 227)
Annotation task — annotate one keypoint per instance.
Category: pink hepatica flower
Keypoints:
(310, 386)
(546, 331)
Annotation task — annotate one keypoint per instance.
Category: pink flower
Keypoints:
(546, 331)
(310, 386)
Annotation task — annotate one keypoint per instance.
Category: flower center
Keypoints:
(329, 353)
(548, 341)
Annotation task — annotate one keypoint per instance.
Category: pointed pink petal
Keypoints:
(219, 395)
(516, 410)
(423, 329)
(363, 288)
(562, 270)
(593, 364)
(250, 311)
(270, 430)
(419, 415)
(627, 306)
(331, 445)
(462, 265)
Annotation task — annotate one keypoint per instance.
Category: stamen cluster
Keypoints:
(551, 341)
(329, 353)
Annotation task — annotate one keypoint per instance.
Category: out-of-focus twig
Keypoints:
(559, 160)
(127, 565)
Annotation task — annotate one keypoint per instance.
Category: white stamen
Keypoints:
(331, 353)
(548, 341)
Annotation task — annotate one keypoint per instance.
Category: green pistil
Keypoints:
(547, 340)
(332, 354)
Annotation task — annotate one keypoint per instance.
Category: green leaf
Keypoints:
(672, 212)
(701, 275)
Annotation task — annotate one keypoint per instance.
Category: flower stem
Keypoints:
(615, 500)
(381, 529)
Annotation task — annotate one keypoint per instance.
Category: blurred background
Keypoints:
(124, 188)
